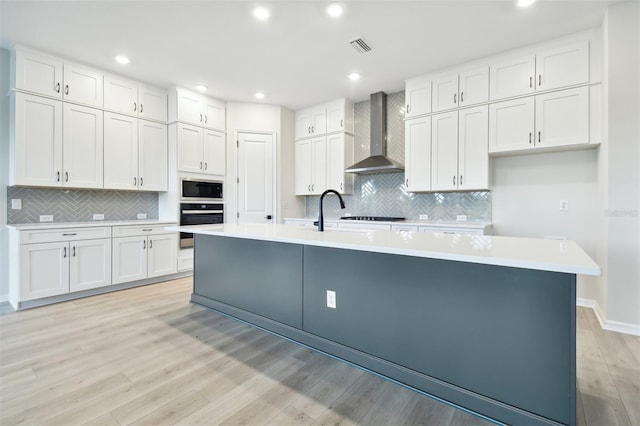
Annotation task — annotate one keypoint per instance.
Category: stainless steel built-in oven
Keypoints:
(198, 214)
(198, 190)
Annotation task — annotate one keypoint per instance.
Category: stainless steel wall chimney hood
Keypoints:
(377, 161)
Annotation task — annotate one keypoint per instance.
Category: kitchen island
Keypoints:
(486, 323)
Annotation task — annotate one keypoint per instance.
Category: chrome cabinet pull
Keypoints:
(460, 180)
(313, 129)
(538, 137)
(341, 124)
(66, 89)
(147, 230)
(455, 95)
(454, 180)
(340, 186)
(461, 97)
(539, 79)
(140, 107)
(408, 108)
(205, 119)
(201, 118)
(406, 183)
(64, 252)
(201, 165)
(135, 182)
(144, 244)
(66, 176)
(309, 129)
(69, 235)
(135, 107)
(530, 81)
(73, 254)
(141, 181)
(205, 165)
(150, 244)
(58, 176)
(529, 137)
(57, 87)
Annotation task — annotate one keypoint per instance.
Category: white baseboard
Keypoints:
(4, 298)
(620, 327)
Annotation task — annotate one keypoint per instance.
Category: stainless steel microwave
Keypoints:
(200, 190)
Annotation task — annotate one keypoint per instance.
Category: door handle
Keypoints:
(140, 107)
(141, 181)
(268, 217)
(530, 82)
(538, 136)
(539, 80)
(460, 180)
(58, 176)
(201, 165)
(73, 253)
(408, 108)
(135, 182)
(64, 252)
(66, 176)
(135, 107)
(57, 87)
(205, 119)
(461, 97)
(455, 96)
(144, 244)
(454, 180)
(341, 124)
(66, 89)
(201, 118)
(529, 137)
(205, 163)
(150, 244)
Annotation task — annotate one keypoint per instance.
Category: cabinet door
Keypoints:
(562, 118)
(444, 92)
(304, 120)
(303, 167)
(214, 152)
(38, 73)
(474, 86)
(152, 103)
(417, 152)
(512, 77)
(563, 66)
(44, 270)
(319, 165)
(511, 125)
(417, 96)
(339, 156)
(37, 141)
(189, 107)
(82, 150)
(214, 116)
(129, 261)
(319, 120)
(190, 148)
(162, 255)
(84, 85)
(336, 116)
(473, 148)
(444, 151)
(121, 95)
(120, 151)
(89, 264)
(152, 156)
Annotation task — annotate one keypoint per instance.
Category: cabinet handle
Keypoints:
(455, 96)
(201, 118)
(406, 183)
(69, 235)
(313, 129)
(454, 180)
(57, 87)
(408, 108)
(341, 124)
(141, 181)
(140, 107)
(58, 176)
(66, 89)
(147, 230)
(150, 244)
(530, 82)
(460, 180)
(461, 97)
(313, 187)
(144, 244)
(205, 165)
(201, 165)
(135, 182)
(135, 107)
(309, 188)
(538, 137)
(66, 176)
(64, 252)
(539, 80)
(205, 119)
(73, 253)
(309, 130)
(340, 186)
(529, 137)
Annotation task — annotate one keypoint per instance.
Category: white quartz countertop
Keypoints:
(528, 253)
(93, 224)
(438, 224)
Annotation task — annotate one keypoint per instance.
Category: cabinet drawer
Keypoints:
(409, 228)
(69, 234)
(141, 230)
(451, 230)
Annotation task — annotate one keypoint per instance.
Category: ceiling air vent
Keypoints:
(360, 46)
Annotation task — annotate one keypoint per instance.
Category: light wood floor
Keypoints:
(149, 356)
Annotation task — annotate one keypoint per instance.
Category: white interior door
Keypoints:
(255, 175)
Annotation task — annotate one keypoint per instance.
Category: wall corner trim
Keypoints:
(617, 326)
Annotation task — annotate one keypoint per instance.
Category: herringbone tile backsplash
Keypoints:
(79, 205)
(384, 194)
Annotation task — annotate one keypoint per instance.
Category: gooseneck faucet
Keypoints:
(320, 214)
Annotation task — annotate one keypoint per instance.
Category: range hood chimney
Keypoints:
(377, 161)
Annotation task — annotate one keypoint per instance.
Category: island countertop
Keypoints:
(529, 253)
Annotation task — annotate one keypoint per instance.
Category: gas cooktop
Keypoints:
(373, 218)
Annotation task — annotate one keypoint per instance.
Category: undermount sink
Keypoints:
(355, 231)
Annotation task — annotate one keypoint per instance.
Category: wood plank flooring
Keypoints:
(147, 356)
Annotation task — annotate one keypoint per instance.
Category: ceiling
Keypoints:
(299, 56)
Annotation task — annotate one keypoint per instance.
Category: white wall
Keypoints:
(289, 204)
(622, 59)
(526, 194)
(5, 58)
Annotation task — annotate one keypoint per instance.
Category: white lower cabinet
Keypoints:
(56, 263)
(143, 252)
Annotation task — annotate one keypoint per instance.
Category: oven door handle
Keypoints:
(202, 211)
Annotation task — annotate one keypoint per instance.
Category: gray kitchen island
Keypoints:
(486, 323)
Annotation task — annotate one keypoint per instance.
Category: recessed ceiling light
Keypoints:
(261, 13)
(122, 60)
(354, 76)
(260, 95)
(335, 10)
(201, 88)
(525, 3)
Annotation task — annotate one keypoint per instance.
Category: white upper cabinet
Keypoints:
(444, 151)
(311, 166)
(131, 98)
(38, 73)
(193, 108)
(213, 152)
(444, 92)
(340, 116)
(417, 151)
(562, 118)
(152, 156)
(330, 117)
(200, 150)
(417, 96)
(82, 154)
(46, 75)
(563, 66)
(473, 148)
(554, 68)
(120, 151)
(339, 157)
(474, 86)
(512, 77)
(511, 125)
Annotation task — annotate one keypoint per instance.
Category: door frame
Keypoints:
(274, 170)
